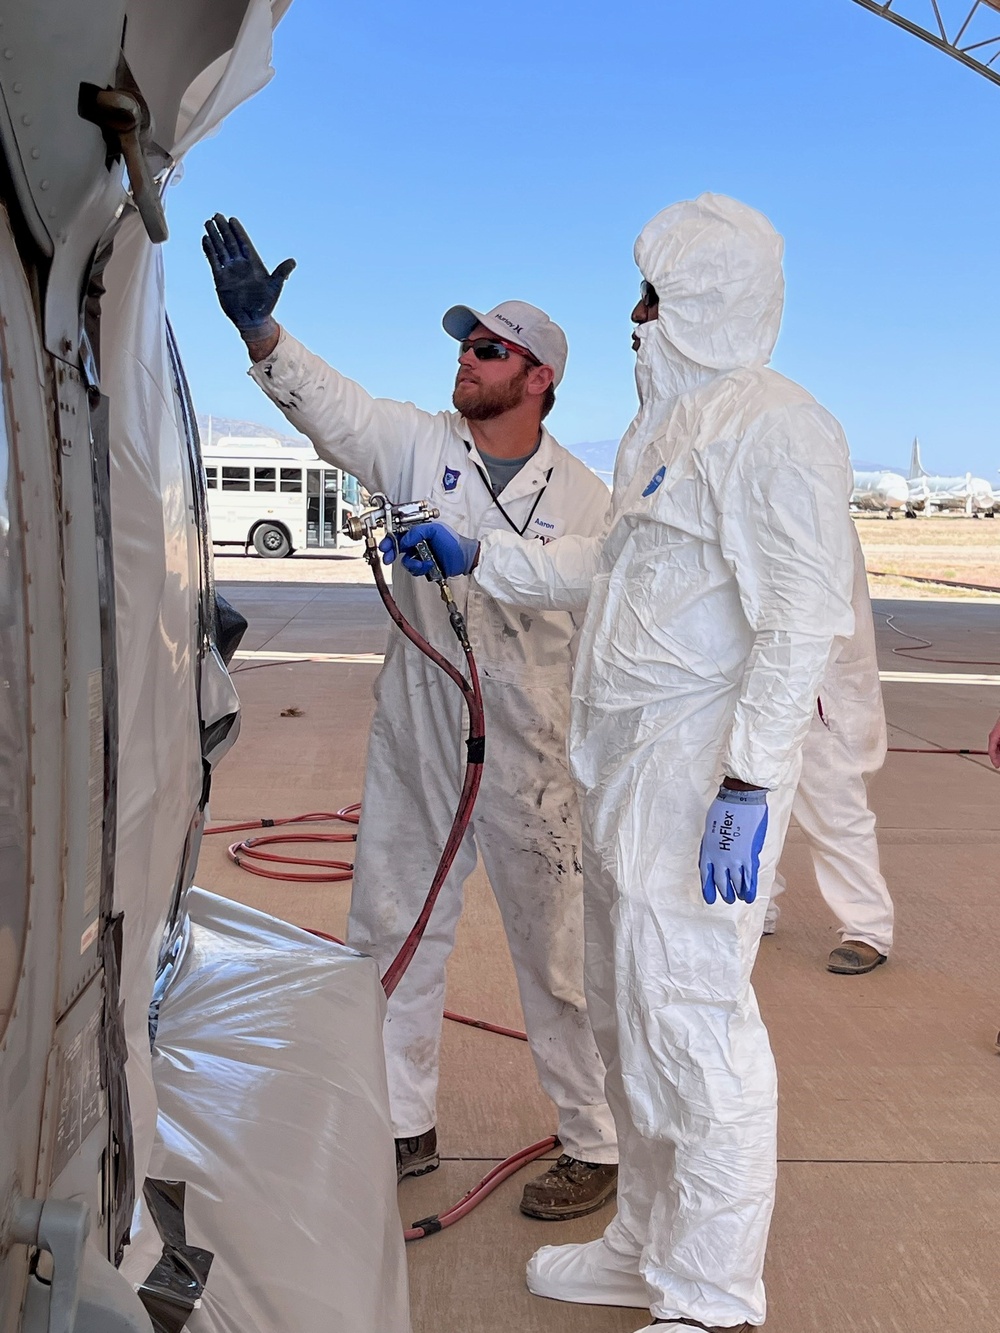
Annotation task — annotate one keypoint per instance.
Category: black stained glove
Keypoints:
(247, 292)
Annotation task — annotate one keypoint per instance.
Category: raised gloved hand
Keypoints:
(730, 849)
(455, 554)
(247, 292)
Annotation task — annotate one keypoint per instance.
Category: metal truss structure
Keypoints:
(969, 30)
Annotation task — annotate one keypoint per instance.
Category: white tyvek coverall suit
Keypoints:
(526, 821)
(845, 745)
(711, 609)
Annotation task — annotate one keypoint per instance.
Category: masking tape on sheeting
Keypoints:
(265, 655)
(937, 678)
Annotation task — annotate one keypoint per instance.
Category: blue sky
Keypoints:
(410, 157)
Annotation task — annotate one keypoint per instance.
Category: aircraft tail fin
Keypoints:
(916, 467)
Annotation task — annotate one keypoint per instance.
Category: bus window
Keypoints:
(291, 479)
(212, 478)
(235, 478)
(263, 478)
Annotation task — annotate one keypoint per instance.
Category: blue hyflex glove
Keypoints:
(455, 554)
(730, 850)
(247, 292)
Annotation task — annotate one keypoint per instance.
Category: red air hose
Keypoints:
(248, 856)
(476, 755)
(429, 1226)
(245, 854)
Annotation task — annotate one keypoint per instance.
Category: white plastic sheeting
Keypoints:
(231, 79)
(157, 595)
(274, 1111)
(158, 580)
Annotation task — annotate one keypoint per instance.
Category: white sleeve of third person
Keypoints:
(554, 576)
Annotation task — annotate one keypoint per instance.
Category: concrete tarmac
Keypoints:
(888, 1211)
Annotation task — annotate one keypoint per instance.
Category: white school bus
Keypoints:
(274, 498)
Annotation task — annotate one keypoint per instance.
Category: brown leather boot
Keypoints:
(853, 958)
(570, 1188)
(417, 1156)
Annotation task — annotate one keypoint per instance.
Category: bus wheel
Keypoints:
(270, 540)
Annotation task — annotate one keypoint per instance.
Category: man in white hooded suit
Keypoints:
(712, 604)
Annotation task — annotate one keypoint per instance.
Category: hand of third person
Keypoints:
(454, 553)
(993, 745)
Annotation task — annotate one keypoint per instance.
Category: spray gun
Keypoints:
(395, 520)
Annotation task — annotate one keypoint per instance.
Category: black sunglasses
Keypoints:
(494, 349)
(647, 294)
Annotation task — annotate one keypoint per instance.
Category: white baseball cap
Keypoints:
(517, 322)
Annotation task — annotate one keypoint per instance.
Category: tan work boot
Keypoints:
(853, 958)
(417, 1156)
(570, 1188)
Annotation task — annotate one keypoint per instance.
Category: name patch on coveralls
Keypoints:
(544, 529)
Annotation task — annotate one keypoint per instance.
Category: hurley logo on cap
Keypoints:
(514, 328)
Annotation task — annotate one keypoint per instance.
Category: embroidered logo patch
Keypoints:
(655, 480)
(450, 478)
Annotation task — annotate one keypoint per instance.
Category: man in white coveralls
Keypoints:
(488, 466)
(845, 745)
(711, 608)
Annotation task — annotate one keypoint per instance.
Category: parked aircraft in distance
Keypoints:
(880, 492)
(938, 495)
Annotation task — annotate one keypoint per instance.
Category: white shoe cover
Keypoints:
(668, 1327)
(588, 1274)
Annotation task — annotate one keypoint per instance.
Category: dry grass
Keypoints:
(956, 549)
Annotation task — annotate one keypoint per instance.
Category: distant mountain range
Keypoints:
(210, 428)
(597, 454)
(600, 455)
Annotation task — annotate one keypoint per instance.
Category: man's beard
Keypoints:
(490, 402)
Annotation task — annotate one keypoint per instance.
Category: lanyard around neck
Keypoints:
(496, 499)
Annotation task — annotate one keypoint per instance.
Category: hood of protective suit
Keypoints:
(716, 266)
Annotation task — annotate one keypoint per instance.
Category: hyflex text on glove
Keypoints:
(735, 828)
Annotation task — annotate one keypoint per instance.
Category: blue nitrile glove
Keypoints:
(247, 292)
(455, 554)
(730, 849)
